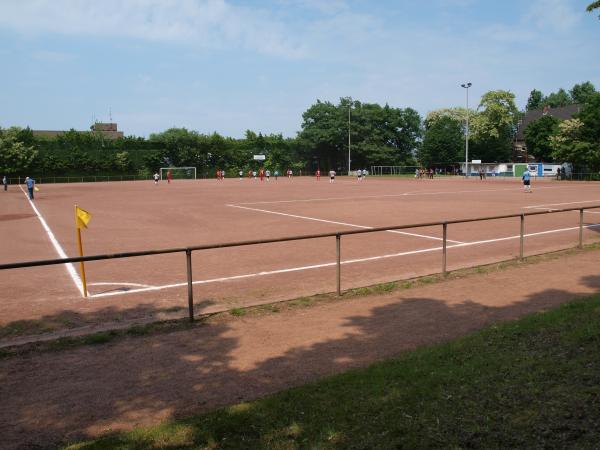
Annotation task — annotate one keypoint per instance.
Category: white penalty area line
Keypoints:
(61, 253)
(342, 223)
(330, 264)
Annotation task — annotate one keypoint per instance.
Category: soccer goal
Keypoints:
(178, 173)
(393, 170)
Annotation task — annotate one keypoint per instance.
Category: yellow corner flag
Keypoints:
(82, 217)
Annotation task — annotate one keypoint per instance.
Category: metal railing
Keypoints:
(79, 179)
(338, 239)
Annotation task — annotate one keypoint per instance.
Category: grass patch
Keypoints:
(237, 312)
(532, 383)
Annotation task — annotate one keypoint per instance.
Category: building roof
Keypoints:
(107, 130)
(561, 113)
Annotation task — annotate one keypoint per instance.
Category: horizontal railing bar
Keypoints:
(49, 262)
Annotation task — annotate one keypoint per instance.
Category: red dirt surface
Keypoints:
(54, 397)
(130, 216)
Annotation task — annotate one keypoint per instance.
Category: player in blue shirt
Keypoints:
(527, 181)
(30, 182)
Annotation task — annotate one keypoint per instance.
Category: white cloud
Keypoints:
(554, 15)
(208, 23)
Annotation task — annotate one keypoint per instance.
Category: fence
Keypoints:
(338, 243)
(81, 179)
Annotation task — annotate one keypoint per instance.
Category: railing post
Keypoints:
(188, 257)
(445, 235)
(522, 236)
(581, 228)
(338, 245)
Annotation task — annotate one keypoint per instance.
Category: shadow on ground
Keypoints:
(53, 397)
(69, 322)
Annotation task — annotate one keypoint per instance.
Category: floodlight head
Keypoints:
(466, 85)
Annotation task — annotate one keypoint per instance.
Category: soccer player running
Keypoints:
(332, 176)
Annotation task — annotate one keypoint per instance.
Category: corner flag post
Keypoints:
(82, 218)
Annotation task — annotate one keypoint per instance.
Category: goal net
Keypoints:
(393, 170)
(178, 173)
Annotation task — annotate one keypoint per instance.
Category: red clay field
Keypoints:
(134, 216)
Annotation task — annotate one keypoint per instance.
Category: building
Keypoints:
(106, 130)
(519, 146)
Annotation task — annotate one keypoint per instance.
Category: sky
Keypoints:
(227, 66)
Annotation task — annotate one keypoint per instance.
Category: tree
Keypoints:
(378, 135)
(493, 127)
(590, 116)
(581, 92)
(559, 98)
(537, 137)
(592, 6)
(443, 142)
(15, 156)
(122, 161)
(569, 144)
(535, 100)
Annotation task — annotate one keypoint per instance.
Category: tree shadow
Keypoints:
(54, 397)
(75, 322)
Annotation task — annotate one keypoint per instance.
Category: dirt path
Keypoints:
(50, 398)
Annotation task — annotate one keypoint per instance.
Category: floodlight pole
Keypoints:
(467, 86)
(349, 107)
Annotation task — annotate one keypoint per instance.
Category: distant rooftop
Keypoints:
(107, 130)
(561, 113)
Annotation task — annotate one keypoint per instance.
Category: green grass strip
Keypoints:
(532, 383)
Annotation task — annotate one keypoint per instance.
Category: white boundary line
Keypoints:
(61, 253)
(120, 284)
(342, 223)
(470, 191)
(350, 261)
(559, 204)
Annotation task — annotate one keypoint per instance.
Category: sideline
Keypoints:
(61, 253)
(332, 264)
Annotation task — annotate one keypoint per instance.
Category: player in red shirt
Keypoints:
(318, 174)
(169, 177)
(261, 174)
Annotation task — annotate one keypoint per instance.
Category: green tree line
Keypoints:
(371, 134)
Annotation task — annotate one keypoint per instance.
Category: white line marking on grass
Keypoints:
(330, 264)
(342, 223)
(61, 253)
